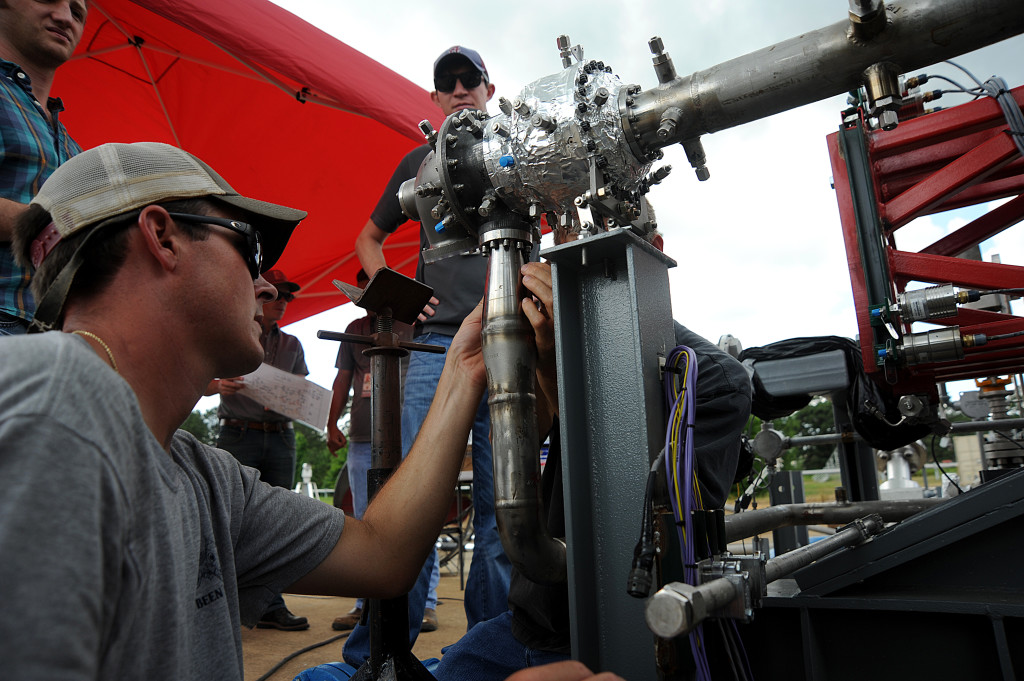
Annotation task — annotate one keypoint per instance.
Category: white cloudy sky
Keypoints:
(759, 245)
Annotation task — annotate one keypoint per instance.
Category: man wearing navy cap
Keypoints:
(461, 82)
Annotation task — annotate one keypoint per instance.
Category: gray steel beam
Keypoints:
(613, 320)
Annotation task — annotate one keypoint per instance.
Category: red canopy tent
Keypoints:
(282, 110)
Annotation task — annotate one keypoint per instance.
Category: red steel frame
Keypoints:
(949, 159)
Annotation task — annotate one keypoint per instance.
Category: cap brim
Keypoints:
(449, 58)
(274, 223)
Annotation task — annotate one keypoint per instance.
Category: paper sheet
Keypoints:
(289, 394)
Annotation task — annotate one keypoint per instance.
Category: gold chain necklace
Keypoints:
(110, 355)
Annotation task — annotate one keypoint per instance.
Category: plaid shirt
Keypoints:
(31, 147)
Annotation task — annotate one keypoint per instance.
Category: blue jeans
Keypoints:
(490, 571)
(272, 454)
(358, 463)
(11, 325)
(489, 652)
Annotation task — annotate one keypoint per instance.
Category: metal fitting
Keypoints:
(672, 117)
(867, 19)
(675, 609)
(663, 67)
(428, 189)
(428, 131)
(660, 174)
(487, 205)
(544, 122)
(882, 84)
(888, 120)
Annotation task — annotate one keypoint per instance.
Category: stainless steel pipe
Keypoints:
(861, 529)
(510, 358)
(820, 64)
(747, 524)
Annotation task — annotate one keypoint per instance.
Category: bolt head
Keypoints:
(888, 120)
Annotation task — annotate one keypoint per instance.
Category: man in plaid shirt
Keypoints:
(35, 38)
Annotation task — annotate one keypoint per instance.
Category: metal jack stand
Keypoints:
(392, 296)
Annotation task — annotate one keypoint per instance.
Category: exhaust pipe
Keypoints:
(511, 361)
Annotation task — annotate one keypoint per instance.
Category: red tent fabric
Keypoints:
(282, 110)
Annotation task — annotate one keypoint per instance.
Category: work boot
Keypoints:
(347, 621)
(429, 620)
(282, 619)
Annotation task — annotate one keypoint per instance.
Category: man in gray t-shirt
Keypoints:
(148, 276)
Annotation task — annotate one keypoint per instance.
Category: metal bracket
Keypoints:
(389, 293)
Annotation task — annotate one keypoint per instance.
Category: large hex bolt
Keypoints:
(678, 608)
(674, 610)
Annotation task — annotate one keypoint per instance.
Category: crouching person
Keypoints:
(152, 548)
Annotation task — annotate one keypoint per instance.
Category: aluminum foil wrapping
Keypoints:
(551, 142)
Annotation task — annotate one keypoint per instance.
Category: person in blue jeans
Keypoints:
(354, 375)
(460, 82)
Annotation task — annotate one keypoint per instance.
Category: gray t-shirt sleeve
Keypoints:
(281, 537)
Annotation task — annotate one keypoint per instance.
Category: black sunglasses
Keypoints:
(253, 254)
(285, 296)
(446, 81)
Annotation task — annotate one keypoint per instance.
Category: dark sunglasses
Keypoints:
(446, 81)
(285, 296)
(253, 253)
